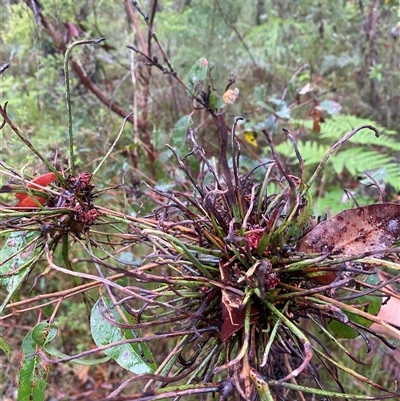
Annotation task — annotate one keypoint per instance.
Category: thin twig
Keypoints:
(68, 97)
(331, 150)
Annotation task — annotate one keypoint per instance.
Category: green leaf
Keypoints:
(197, 76)
(215, 101)
(265, 106)
(34, 373)
(79, 361)
(283, 113)
(179, 133)
(331, 107)
(135, 357)
(5, 346)
(43, 333)
(18, 260)
(370, 304)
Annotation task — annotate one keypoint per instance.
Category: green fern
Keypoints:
(336, 127)
(357, 160)
(364, 152)
(312, 152)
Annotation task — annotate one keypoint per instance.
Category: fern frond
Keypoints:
(332, 202)
(336, 127)
(357, 160)
(393, 175)
(311, 152)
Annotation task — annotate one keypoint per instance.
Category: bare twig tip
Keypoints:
(4, 67)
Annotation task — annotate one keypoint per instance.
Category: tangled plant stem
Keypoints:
(224, 283)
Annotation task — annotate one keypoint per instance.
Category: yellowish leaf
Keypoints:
(251, 138)
(230, 96)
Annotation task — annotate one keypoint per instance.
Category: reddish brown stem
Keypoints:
(86, 81)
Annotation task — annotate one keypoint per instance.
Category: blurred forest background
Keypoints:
(295, 65)
(316, 68)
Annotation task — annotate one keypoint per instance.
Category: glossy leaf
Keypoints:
(16, 262)
(34, 372)
(197, 76)
(134, 357)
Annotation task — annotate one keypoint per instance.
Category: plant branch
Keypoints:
(331, 150)
(78, 69)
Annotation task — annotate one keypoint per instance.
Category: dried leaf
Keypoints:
(230, 96)
(307, 88)
(233, 308)
(316, 114)
(364, 229)
(371, 228)
(233, 311)
(233, 314)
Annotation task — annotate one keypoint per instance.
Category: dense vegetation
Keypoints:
(176, 228)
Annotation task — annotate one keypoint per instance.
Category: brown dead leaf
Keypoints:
(83, 373)
(371, 228)
(364, 229)
(232, 306)
(233, 314)
(316, 114)
(233, 311)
